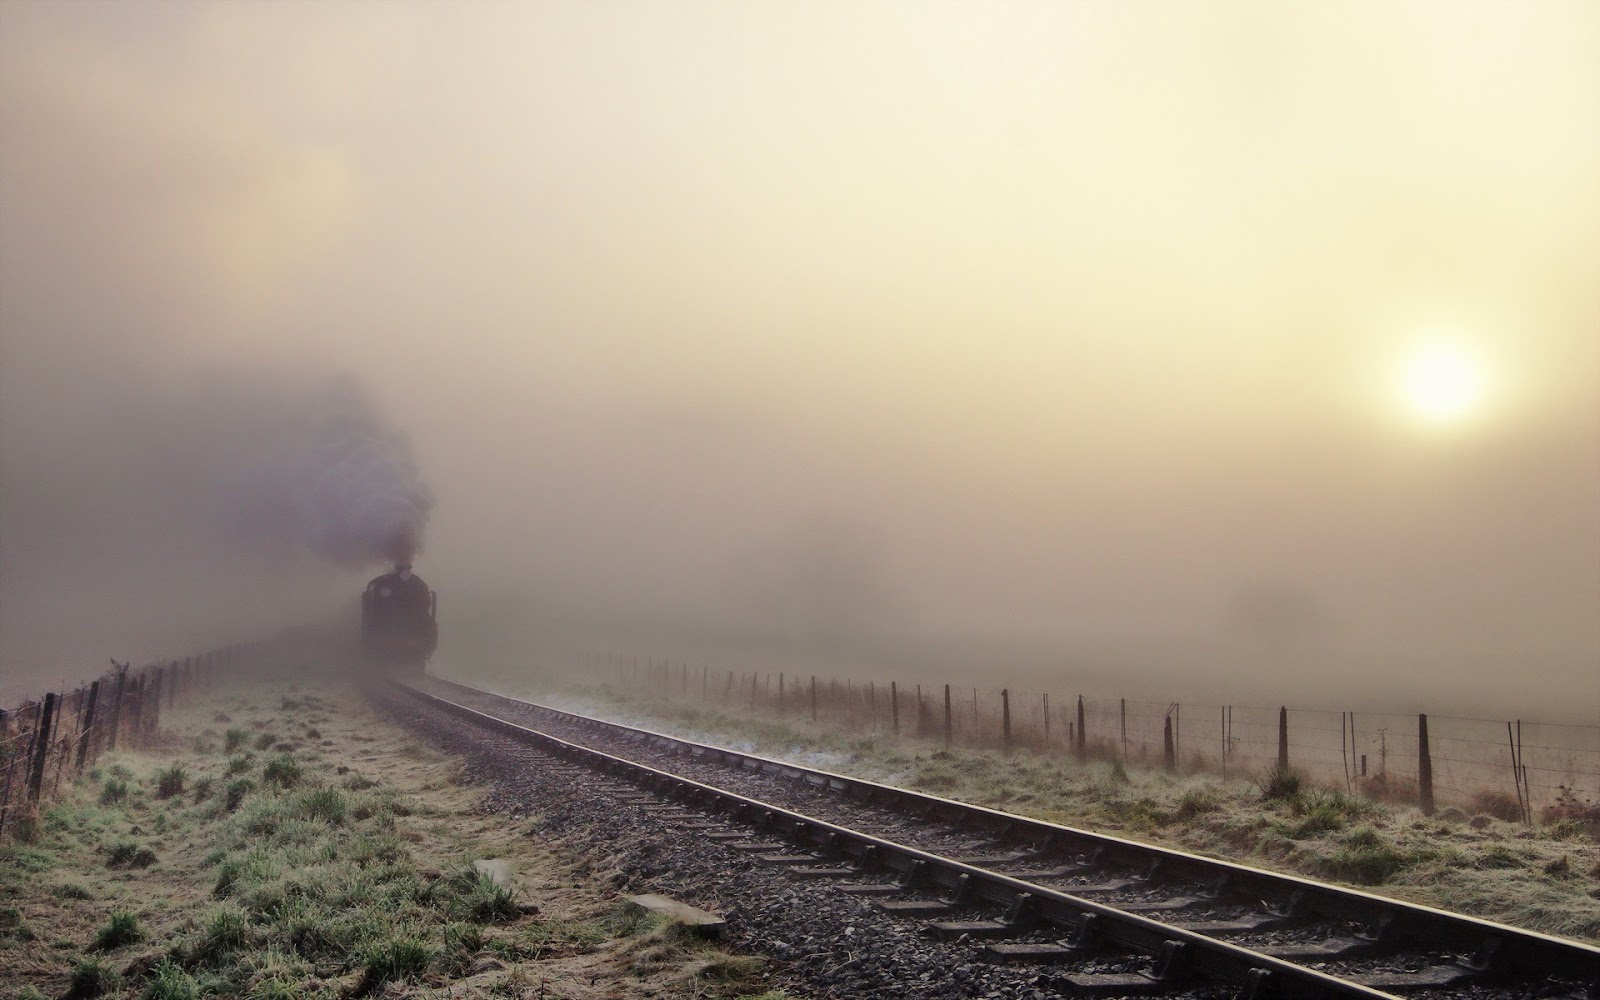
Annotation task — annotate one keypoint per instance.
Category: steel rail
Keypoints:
(1182, 953)
(1503, 948)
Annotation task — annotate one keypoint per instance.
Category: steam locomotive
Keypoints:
(399, 630)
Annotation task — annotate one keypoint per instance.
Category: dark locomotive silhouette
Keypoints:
(399, 630)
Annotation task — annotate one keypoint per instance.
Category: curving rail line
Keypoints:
(1489, 955)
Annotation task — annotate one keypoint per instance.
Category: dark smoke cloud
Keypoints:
(318, 467)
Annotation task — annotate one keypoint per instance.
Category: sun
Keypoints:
(1442, 384)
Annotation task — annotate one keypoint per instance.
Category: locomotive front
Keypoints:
(399, 630)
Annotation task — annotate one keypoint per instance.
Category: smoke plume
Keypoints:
(318, 467)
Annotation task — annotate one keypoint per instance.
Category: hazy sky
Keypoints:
(1266, 330)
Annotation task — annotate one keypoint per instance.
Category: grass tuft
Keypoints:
(123, 928)
(395, 960)
(282, 771)
(235, 739)
(114, 791)
(170, 782)
(92, 977)
(1280, 784)
(171, 982)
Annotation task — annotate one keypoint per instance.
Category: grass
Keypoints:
(123, 928)
(1277, 819)
(295, 875)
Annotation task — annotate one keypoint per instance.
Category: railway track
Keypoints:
(1104, 915)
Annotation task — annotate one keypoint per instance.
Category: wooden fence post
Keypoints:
(1169, 754)
(1083, 737)
(116, 708)
(813, 697)
(1005, 718)
(41, 747)
(947, 721)
(894, 705)
(1046, 699)
(1124, 730)
(1283, 738)
(1424, 767)
(86, 733)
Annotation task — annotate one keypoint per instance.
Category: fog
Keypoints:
(1243, 352)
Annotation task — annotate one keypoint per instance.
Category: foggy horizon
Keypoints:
(1229, 350)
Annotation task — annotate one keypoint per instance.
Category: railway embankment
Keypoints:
(1482, 861)
(290, 842)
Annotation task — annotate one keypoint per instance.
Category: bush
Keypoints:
(234, 739)
(123, 928)
(170, 782)
(238, 765)
(282, 770)
(202, 789)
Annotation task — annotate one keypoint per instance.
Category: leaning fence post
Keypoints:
(947, 726)
(1424, 767)
(1283, 738)
(41, 747)
(1082, 736)
(894, 705)
(1005, 718)
(87, 732)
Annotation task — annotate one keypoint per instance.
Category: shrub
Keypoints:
(170, 782)
(234, 739)
(265, 741)
(238, 765)
(114, 791)
(123, 928)
(202, 789)
(282, 770)
(1279, 784)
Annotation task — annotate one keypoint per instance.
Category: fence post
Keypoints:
(41, 748)
(1169, 753)
(813, 697)
(1424, 767)
(1046, 699)
(1083, 737)
(116, 708)
(894, 706)
(87, 732)
(1125, 731)
(947, 721)
(1005, 718)
(1283, 738)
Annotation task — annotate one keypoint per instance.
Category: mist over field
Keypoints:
(1236, 352)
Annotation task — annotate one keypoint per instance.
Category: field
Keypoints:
(291, 844)
(1476, 858)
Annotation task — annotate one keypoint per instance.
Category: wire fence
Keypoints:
(1508, 768)
(52, 740)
